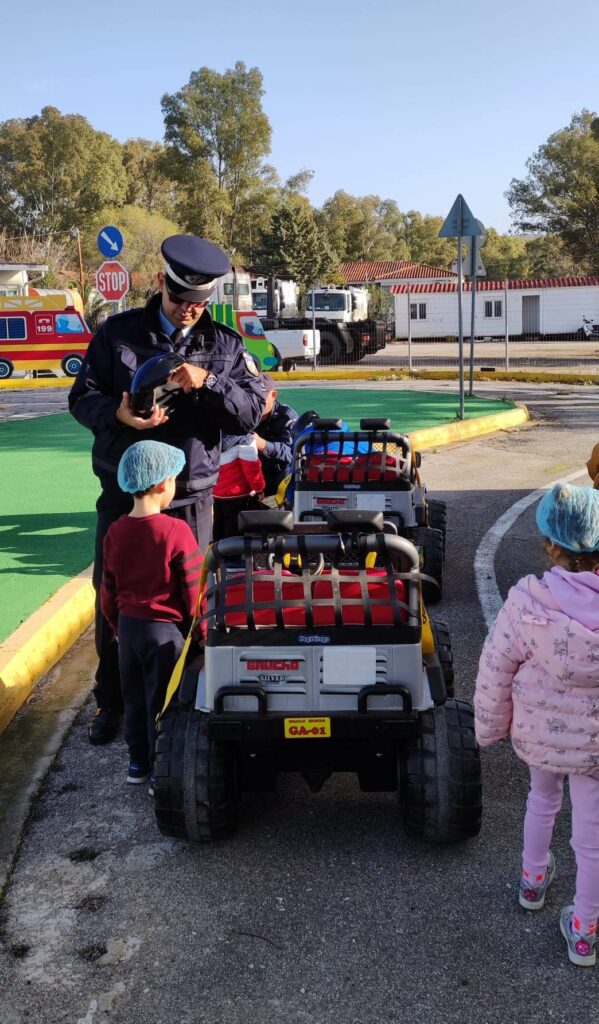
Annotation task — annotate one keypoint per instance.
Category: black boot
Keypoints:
(103, 726)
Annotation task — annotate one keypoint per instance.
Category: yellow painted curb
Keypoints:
(464, 430)
(23, 383)
(42, 640)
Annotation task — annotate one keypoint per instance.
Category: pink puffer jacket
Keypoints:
(538, 676)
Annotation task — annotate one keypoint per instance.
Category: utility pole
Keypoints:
(76, 234)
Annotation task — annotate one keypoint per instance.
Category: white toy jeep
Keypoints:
(316, 664)
(371, 468)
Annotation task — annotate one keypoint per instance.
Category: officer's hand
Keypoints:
(189, 377)
(125, 415)
(260, 442)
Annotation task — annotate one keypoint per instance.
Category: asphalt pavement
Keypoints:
(319, 909)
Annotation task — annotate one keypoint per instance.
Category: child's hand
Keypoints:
(126, 416)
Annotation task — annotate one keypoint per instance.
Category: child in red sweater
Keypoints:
(239, 486)
(152, 567)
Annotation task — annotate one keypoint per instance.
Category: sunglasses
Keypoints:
(178, 301)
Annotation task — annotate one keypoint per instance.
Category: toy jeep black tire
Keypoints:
(444, 653)
(437, 517)
(195, 789)
(431, 543)
(440, 787)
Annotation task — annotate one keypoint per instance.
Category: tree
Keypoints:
(362, 227)
(504, 256)
(547, 257)
(55, 171)
(143, 233)
(420, 235)
(294, 247)
(560, 194)
(149, 183)
(218, 136)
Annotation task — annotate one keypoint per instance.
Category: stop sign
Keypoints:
(112, 280)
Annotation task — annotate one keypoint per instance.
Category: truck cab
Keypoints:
(346, 305)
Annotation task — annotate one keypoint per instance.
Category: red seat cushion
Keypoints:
(263, 591)
(330, 468)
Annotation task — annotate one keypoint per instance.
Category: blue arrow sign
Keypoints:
(460, 222)
(110, 241)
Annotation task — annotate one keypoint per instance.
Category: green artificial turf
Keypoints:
(48, 491)
(407, 410)
(47, 511)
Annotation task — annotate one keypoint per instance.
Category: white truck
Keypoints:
(341, 316)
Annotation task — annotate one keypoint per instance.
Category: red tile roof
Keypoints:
(496, 286)
(380, 270)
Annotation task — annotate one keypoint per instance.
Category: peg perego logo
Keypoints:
(274, 665)
(304, 639)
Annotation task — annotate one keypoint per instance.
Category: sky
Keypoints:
(411, 100)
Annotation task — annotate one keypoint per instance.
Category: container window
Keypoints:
(422, 310)
(498, 307)
(488, 309)
(413, 311)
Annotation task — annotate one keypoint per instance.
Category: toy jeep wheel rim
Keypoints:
(6, 369)
(440, 776)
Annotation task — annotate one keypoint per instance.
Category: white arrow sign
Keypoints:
(109, 241)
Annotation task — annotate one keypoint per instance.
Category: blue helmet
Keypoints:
(151, 384)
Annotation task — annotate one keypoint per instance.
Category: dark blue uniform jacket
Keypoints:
(126, 340)
(276, 430)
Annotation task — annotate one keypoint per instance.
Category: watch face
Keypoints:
(211, 380)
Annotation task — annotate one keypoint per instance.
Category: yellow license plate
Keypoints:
(307, 728)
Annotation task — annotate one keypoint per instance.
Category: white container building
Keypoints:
(543, 308)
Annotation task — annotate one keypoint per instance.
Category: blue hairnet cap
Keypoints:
(147, 463)
(569, 516)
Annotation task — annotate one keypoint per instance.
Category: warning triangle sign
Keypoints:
(460, 221)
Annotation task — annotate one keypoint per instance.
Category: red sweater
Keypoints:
(240, 474)
(152, 568)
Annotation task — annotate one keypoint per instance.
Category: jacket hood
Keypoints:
(559, 614)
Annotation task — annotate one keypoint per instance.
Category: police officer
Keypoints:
(220, 390)
(274, 436)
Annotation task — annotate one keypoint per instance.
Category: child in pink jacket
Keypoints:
(538, 682)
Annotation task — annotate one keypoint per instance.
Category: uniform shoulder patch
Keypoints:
(250, 362)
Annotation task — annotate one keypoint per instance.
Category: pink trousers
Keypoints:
(544, 801)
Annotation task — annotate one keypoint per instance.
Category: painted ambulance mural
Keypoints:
(34, 337)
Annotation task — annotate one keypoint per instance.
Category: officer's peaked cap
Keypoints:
(192, 266)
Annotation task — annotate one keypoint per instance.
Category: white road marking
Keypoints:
(489, 594)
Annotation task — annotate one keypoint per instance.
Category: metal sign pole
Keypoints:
(474, 245)
(507, 333)
(314, 325)
(460, 326)
(409, 333)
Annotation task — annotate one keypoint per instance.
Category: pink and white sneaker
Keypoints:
(532, 890)
(581, 948)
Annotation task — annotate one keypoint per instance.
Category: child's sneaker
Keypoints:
(138, 772)
(532, 891)
(581, 948)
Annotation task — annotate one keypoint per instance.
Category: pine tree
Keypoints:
(295, 248)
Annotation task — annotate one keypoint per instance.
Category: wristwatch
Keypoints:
(210, 381)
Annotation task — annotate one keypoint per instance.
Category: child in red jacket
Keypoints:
(239, 486)
(152, 566)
